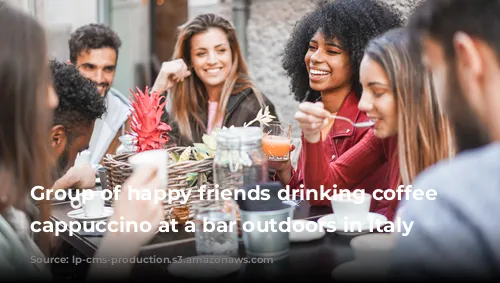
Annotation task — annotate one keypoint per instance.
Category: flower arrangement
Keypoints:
(208, 147)
(147, 128)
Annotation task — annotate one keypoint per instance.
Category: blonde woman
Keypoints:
(208, 81)
(399, 97)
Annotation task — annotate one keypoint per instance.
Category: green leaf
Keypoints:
(186, 154)
(202, 148)
(175, 156)
(192, 179)
(204, 178)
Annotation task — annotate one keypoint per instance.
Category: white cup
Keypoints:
(156, 157)
(93, 203)
(352, 208)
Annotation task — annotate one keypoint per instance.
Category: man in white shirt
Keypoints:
(94, 51)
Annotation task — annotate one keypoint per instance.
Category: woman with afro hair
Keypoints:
(322, 59)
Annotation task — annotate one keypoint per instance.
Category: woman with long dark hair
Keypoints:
(26, 160)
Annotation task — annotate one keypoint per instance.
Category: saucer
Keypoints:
(371, 217)
(79, 215)
(290, 202)
(204, 266)
(305, 236)
(356, 270)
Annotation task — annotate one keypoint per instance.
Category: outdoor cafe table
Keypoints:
(309, 260)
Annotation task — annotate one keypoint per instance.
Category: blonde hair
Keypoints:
(424, 132)
(188, 96)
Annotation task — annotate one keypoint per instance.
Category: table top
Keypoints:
(316, 258)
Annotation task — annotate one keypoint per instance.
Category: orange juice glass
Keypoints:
(277, 141)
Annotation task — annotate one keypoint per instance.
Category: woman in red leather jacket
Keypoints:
(322, 59)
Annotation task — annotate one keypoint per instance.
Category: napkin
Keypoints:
(273, 203)
(83, 158)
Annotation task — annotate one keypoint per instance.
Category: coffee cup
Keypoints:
(351, 210)
(93, 203)
(157, 158)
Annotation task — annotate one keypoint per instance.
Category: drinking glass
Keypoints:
(216, 217)
(277, 141)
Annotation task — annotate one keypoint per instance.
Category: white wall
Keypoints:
(129, 19)
(24, 5)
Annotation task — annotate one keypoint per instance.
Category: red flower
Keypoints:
(146, 126)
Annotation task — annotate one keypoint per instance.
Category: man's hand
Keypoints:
(77, 177)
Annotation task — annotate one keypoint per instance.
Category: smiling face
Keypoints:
(211, 57)
(327, 63)
(99, 66)
(378, 100)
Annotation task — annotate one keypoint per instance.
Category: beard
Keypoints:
(62, 162)
(469, 132)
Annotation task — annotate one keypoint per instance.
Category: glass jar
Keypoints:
(227, 170)
(216, 231)
(127, 144)
(239, 159)
(253, 159)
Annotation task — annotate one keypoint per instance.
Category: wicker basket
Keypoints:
(118, 169)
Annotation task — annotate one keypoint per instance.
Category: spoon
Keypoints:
(358, 125)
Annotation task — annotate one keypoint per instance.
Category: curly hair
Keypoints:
(79, 101)
(92, 36)
(352, 22)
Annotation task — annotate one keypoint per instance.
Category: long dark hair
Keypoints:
(25, 116)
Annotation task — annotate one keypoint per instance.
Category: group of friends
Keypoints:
(428, 84)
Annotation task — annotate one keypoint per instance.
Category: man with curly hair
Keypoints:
(322, 59)
(79, 106)
(94, 51)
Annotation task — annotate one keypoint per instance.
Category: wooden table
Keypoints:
(309, 260)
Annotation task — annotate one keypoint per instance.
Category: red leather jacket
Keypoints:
(352, 158)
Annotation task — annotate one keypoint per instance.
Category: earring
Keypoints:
(3, 198)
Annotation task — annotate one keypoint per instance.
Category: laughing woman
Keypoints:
(398, 94)
(208, 81)
(322, 59)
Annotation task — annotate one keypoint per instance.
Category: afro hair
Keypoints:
(79, 101)
(352, 22)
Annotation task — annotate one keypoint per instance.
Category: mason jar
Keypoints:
(227, 167)
(127, 144)
(253, 159)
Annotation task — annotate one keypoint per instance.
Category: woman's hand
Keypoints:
(122, 244)
(139, 210)
(283, 168)
(312, 117)
(171, 72)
